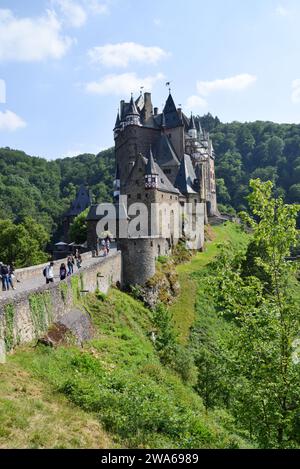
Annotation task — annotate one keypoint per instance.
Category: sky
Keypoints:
(66, 64)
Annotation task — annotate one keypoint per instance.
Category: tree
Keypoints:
(263, 370)
(22, 244)
(78, 229)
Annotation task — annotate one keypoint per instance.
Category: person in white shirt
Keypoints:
(50, 273)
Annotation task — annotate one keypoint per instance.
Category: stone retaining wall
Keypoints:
(29, 314)
(36, 270)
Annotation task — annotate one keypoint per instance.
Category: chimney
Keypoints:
(155, 111)
(148, 108)
(122, 108)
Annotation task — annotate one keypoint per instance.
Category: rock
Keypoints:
(2, 351)
(56, 335)
(75, 326)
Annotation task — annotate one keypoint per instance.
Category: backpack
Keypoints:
(45, 271)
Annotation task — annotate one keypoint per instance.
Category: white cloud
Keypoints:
(120, 55)
(31, 39)
(96, 6)
(281, 11)
(296, 91)
(9, 121)
(236, 83)
(122, 84)
(2, 91)
(73, 12)
(195, 103)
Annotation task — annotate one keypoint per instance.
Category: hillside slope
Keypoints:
(118, 380)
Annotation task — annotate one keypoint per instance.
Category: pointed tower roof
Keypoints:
(192, 124)
(132, 107)
(170, 105)
(171, 115)
(81, 202)
(186, 176)
(151, 167)
(117, 124)
(198, 125)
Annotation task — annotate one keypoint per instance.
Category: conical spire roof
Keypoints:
(151, 165)
(117, 124)
(192, 124)
(132, 107)
(186, 176)
(171, 115)
(170, 105)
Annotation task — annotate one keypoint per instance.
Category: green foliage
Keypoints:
(75, 288)
(43, 190)
(9, 311)
(251, 362)
(172, 353)
(78, 229)
(181, 253)
(41, 311)
(253, 150)
(119, 378)
(63, 287)
(23, 244)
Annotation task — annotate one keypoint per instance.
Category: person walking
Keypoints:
(103, 244)
(4, 276)
(107, 244)
(49, 273)
(79, 261)
(70, 265)
(62, 271)
(11, 276)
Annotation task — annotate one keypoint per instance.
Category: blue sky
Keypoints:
(65, 65)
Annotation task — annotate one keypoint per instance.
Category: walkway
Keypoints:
(39, 280)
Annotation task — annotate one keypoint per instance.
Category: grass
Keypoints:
(115, 382)
(32, 415)
(183, 310)
(114, 391)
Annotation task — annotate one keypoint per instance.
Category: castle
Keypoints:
(164, 160)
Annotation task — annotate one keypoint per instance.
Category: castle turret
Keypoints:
(132, 116)
(192, 128)
(151, 173)
(117, 126)
(117, 184)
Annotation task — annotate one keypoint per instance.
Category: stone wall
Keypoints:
(36, 270)
(29, 314)
(138, 258)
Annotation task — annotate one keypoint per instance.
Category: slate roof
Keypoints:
(165, 153)
(132, 108)
(186, 176)
(171, 114)
(81, 202)
(192, 123)
(151, 167)
(117, 124)
(164, 184)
